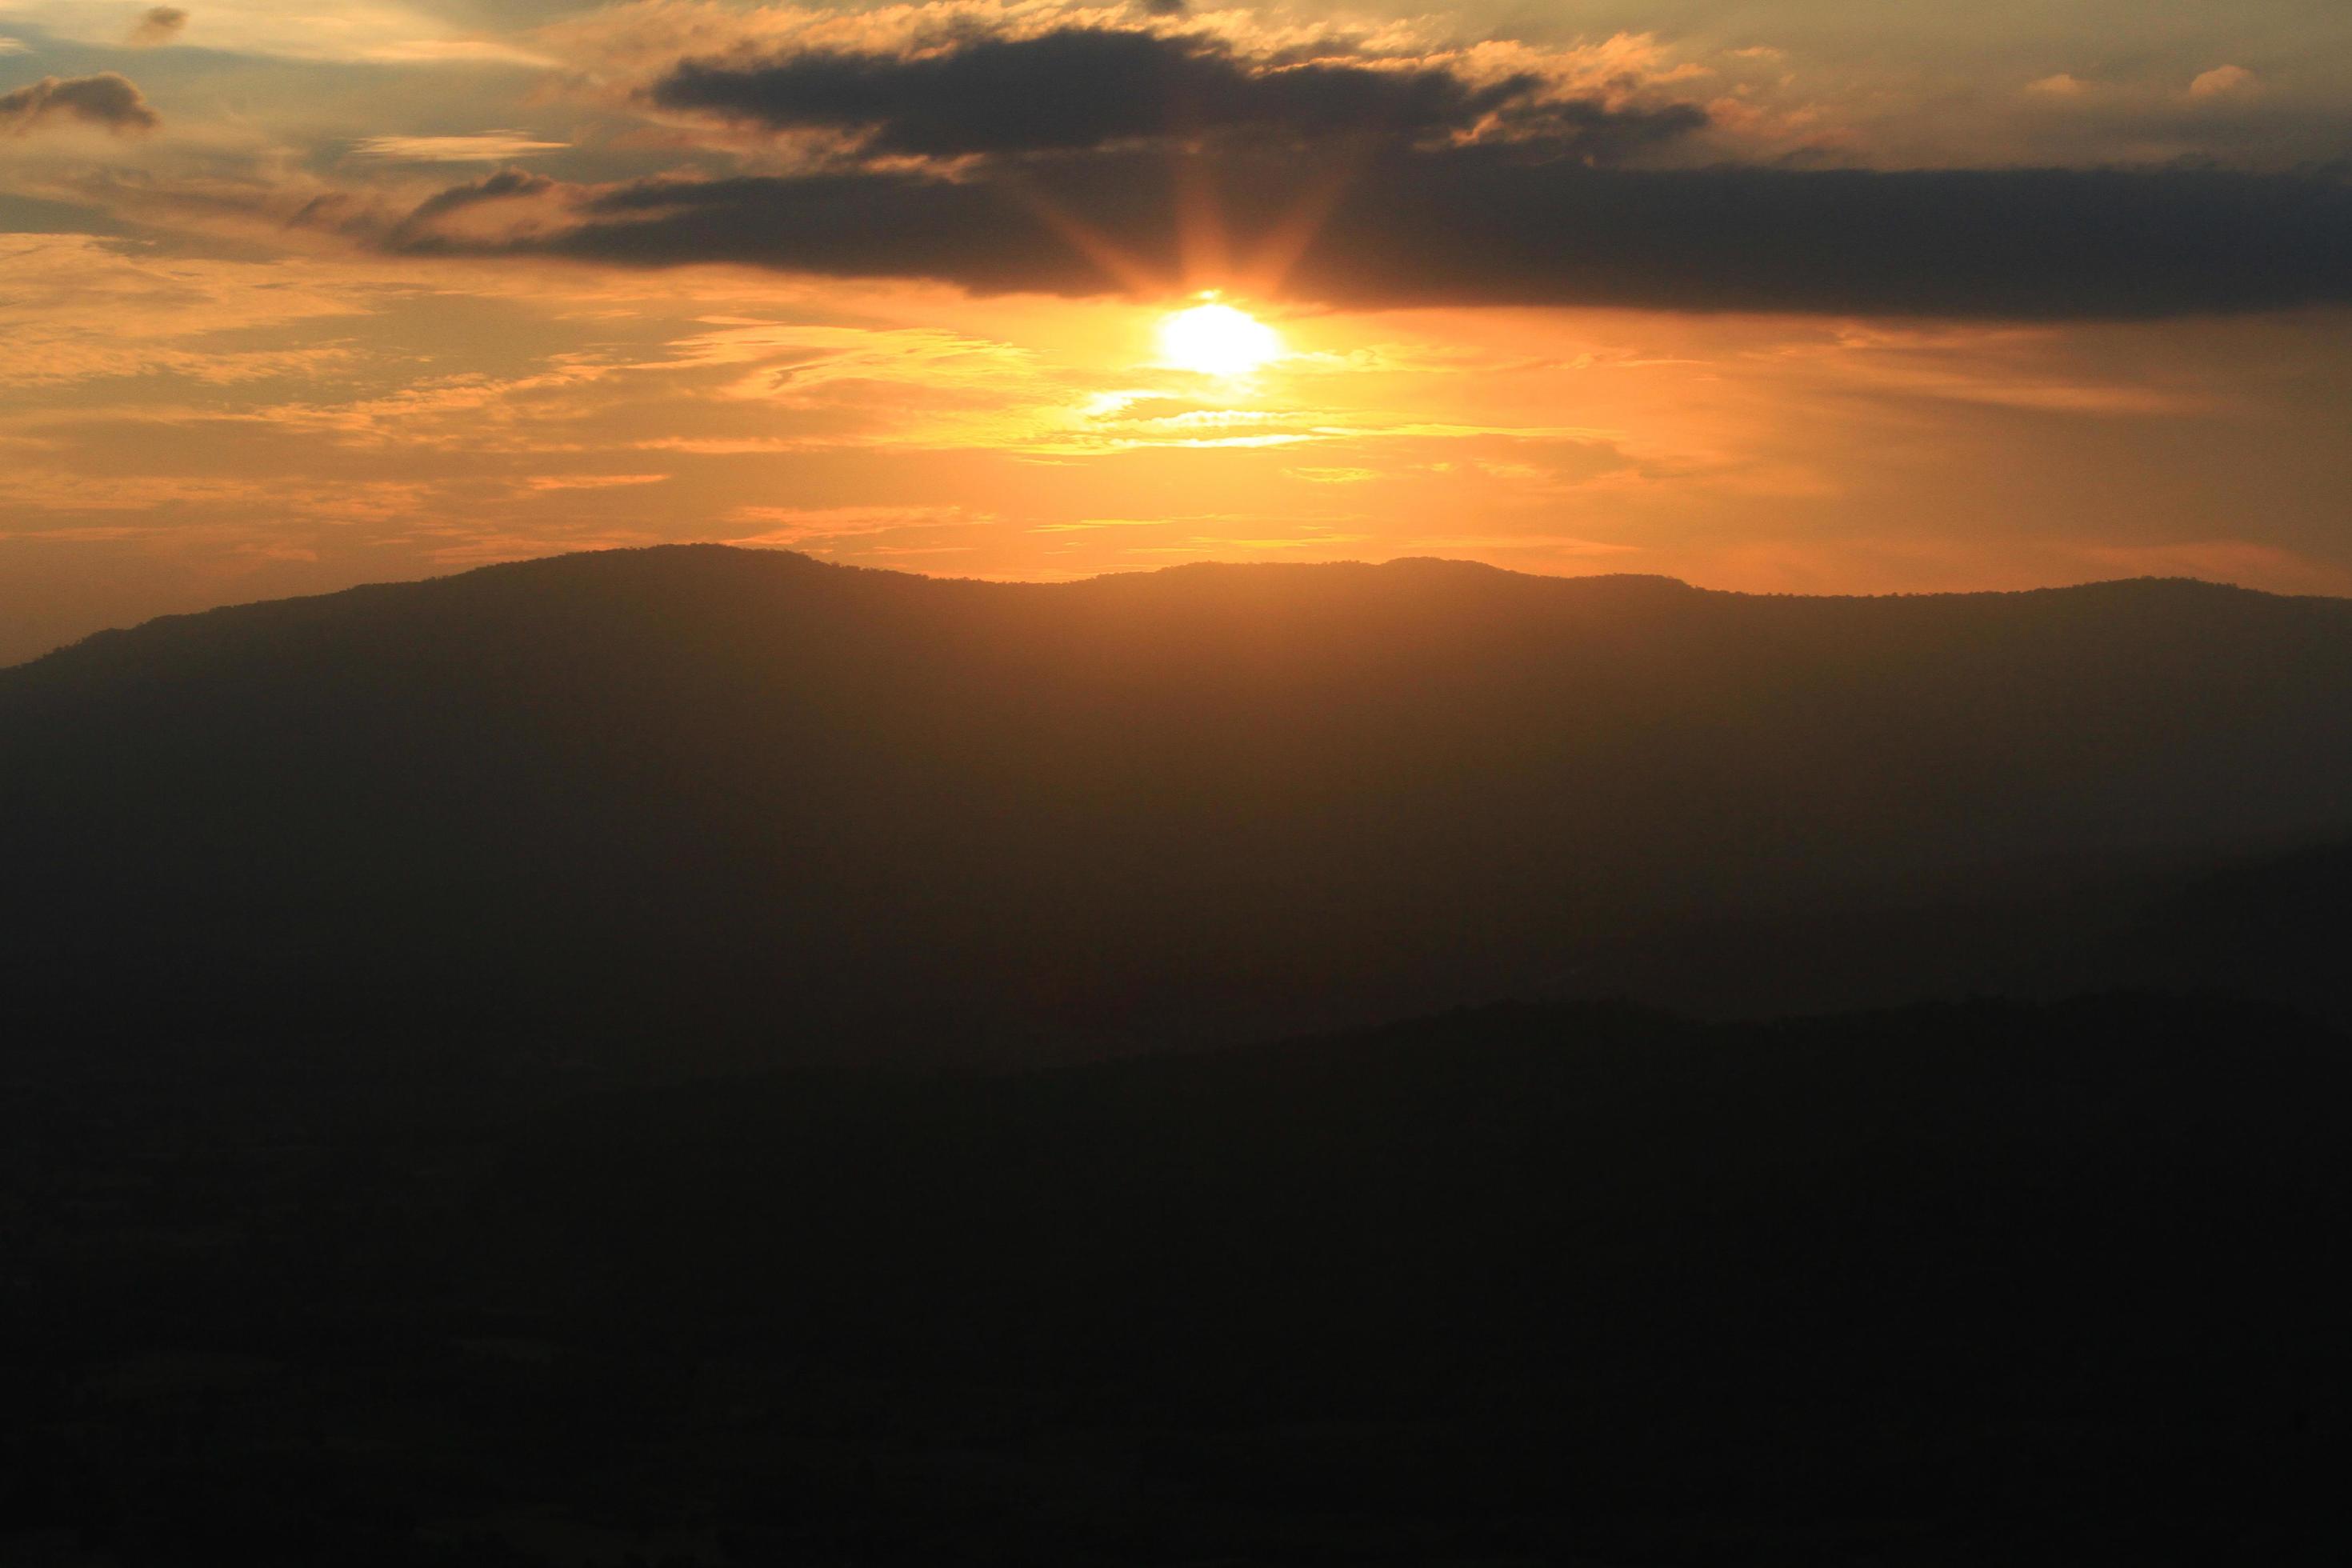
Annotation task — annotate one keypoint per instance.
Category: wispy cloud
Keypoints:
(158, 26)
(541, 483)
(820, 528)
(479, 147)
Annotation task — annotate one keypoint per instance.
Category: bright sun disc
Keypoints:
(1217, 340)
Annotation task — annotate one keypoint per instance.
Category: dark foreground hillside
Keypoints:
(1944, 1285)
(730, 805)
(572, 1065)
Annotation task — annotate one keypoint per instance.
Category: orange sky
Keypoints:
(202, 401)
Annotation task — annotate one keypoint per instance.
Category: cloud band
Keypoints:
(1487, 225)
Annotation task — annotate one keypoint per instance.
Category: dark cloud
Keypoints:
(1379, 186)
(1491, 226)
(161, 25)
(415, 232)
(506, 182)
(1084, 88)
(107, 99)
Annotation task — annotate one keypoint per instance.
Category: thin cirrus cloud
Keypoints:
(108, 100)
(480, 147)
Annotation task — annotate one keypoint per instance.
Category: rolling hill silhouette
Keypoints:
(456, 1109)
(794, 811)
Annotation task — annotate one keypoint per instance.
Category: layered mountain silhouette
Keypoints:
(743, 801)
(459, 1105)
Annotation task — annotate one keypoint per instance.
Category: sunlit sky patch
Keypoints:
(300, 295)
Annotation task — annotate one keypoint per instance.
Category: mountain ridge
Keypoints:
(2148, 585)
(842, 805)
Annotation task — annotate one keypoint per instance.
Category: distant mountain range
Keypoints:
(719, 803)
(456, 1106)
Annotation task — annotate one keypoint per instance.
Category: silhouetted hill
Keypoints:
(1989, 1283)
(742, 797)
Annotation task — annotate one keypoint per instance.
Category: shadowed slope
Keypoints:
(1944, 1285)
(744, 795)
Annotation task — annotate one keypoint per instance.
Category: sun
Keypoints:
(1217, 340)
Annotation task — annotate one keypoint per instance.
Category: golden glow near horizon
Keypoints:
(1216, 339)
(266, 334)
